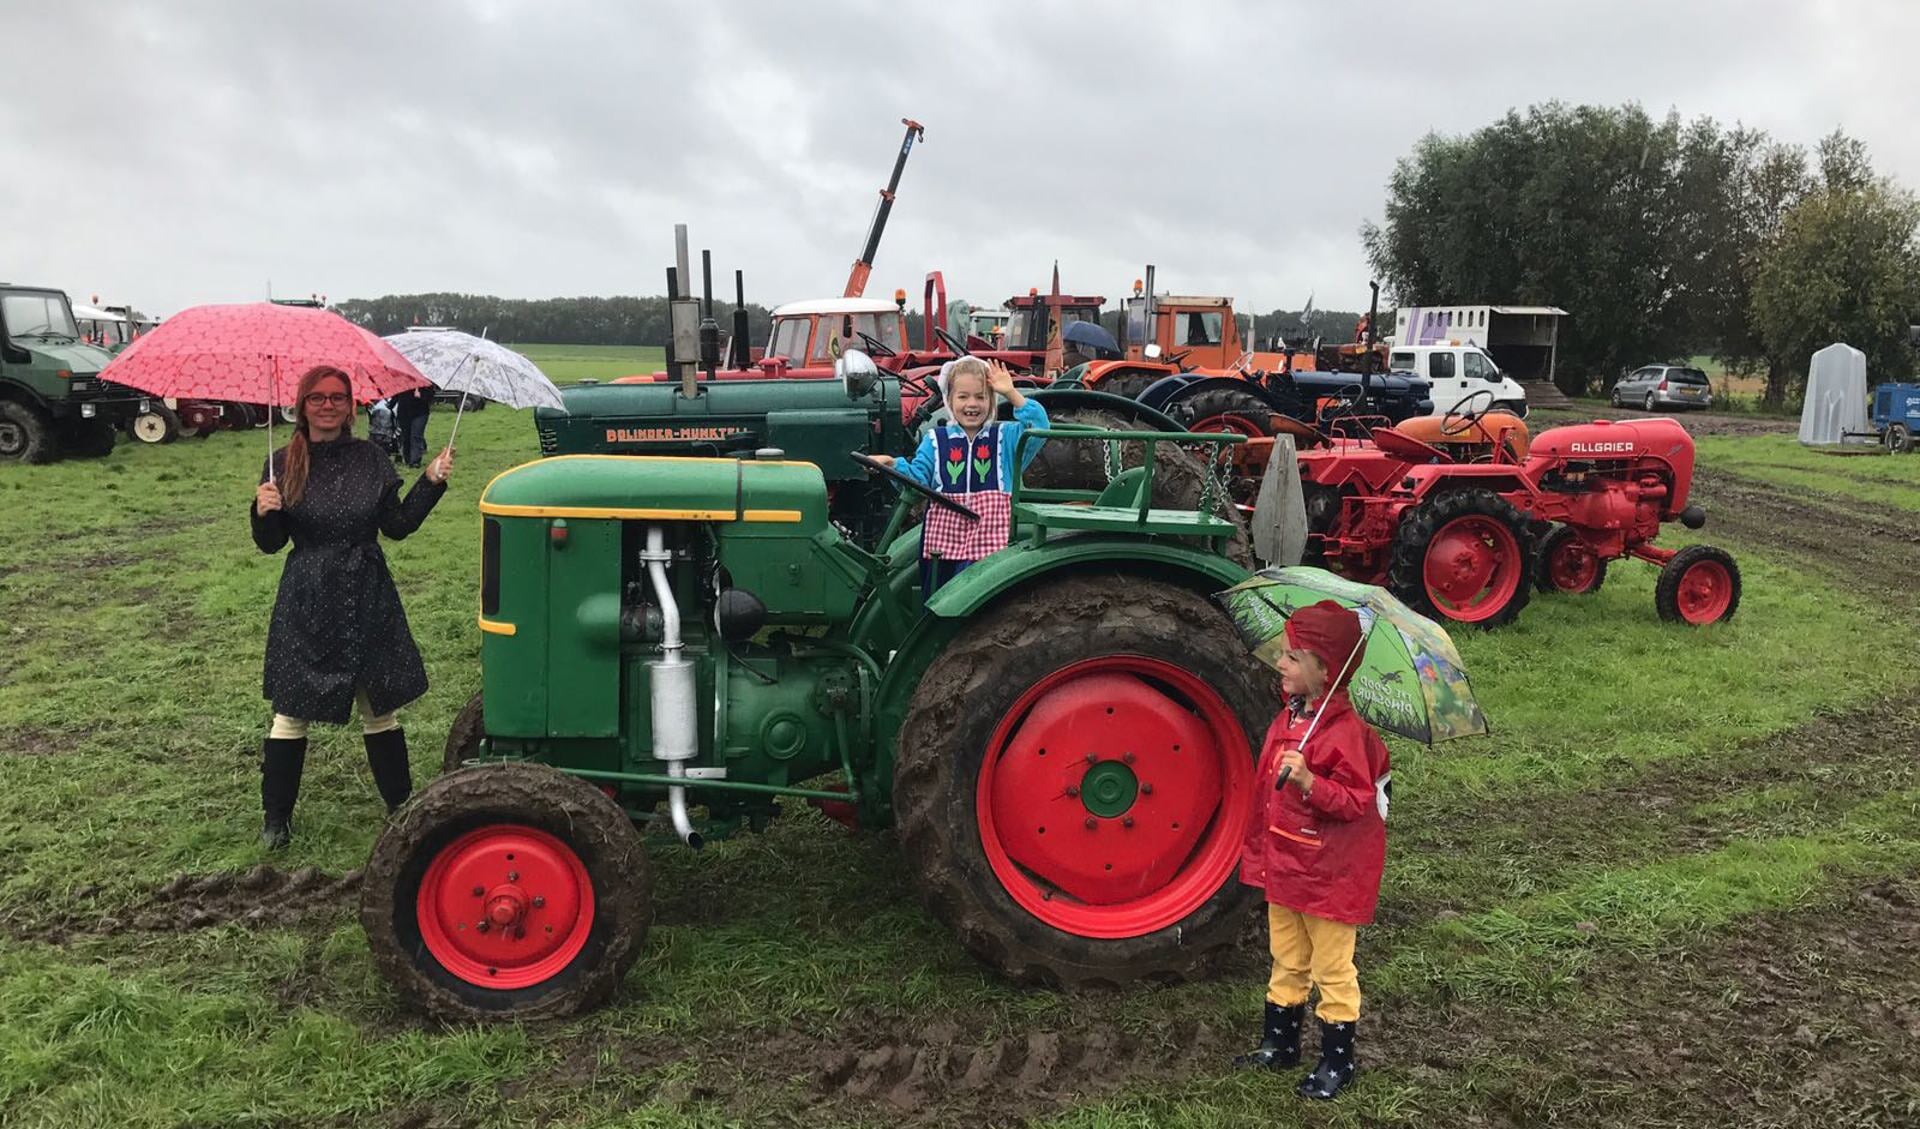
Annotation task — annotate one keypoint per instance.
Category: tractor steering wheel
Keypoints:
(873, 346)
(1465, 415)
(932, 495)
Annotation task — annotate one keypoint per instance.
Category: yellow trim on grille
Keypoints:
(636, 513)
(494, 627)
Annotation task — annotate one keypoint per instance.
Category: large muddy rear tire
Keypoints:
(1464, 556)
(1075, 779)
(563, 889)
(1179, 479)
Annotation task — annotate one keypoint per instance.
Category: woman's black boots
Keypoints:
(1335, 1068)
(387, 757)
(281, 761)
(1279, 1038)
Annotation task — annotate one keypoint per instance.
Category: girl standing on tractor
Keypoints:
(970, 459)
(339, 637)
(1316, 845)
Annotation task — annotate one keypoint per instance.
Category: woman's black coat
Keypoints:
(338, 626)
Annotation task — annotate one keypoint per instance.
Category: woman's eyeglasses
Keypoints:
(321, 399)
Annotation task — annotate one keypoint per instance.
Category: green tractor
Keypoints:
(1063, 737)
(52, 400)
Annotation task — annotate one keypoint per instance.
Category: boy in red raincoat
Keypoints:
(1316, 846)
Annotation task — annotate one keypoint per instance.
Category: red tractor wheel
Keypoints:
(1230, 411)
(506, 892)
(1074, 782)
(1568, 565)
(1465, 556)
(1701, 584)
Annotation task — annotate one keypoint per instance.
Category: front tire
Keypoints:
(88, 438)
(1899, 438)
(1075, 780)
(1465, 556)
(463, 738)
(563, 902)
(26, 434)
(158, 424)
(1700, 585)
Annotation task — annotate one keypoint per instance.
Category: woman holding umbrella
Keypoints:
(339, 636)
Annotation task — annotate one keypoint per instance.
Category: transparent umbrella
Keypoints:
(461, 362)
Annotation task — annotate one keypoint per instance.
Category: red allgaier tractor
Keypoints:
(1466, 526)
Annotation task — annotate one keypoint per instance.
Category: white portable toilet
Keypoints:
(1836, 396)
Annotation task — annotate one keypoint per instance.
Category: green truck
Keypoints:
(52, 400)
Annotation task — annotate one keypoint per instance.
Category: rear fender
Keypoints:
(1162, 394)
(989, 580)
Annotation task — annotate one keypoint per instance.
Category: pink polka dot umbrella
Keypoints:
(256, 353)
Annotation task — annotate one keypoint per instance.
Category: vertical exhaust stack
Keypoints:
(742, 351)
(709, 328)
(1373, 334)
(676, 734)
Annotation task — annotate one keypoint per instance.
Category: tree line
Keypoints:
(1662, 238)
(619, 320)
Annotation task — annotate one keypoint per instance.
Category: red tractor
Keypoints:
(1465, 526)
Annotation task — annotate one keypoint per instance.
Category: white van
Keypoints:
(1457, 372)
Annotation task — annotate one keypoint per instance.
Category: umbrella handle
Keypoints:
(1282, 781)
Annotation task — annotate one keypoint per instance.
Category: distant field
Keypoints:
(566, 364)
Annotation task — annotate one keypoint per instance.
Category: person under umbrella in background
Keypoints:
(339, 637)
(410, 410)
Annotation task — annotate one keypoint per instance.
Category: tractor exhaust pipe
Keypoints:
(675, 736)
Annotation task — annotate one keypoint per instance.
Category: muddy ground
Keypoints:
(1807, 1018)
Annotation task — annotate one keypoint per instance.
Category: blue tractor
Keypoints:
(1896, 415)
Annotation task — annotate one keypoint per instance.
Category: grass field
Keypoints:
(566, 364)
(1675, 887)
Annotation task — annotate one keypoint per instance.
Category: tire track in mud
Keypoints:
(1848, 757)
(1799, 1018)
(264, 897)
(1853, 544)
(944, 1074)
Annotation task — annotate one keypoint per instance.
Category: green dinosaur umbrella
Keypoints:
(1408, 678)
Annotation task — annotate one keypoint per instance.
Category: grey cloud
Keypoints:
(532, 149)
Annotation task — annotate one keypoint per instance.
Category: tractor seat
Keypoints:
(1473, 443)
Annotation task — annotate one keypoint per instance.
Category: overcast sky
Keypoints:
(179, 153)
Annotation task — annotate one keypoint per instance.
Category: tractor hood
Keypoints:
(76, 357)
(1661, 439)
(660, 489)
(811, 420)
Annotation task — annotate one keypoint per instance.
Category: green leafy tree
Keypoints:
(1845, 266)
(1577, 206)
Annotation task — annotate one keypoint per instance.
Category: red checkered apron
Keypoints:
(951, 537)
